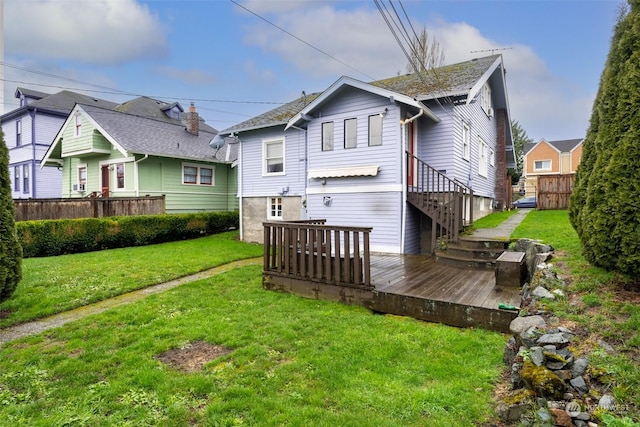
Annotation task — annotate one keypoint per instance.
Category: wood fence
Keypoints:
(314, 252)
(554, 191)
(92, 207)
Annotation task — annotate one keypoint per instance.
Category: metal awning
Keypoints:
(371, 170)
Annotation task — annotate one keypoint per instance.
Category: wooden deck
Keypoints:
(417, 286)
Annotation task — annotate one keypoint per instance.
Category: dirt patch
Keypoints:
(193, 357)
(4, 314)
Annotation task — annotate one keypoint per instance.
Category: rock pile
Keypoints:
(551, 386)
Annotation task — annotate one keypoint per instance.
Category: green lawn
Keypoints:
(54, 284)
(293, 362)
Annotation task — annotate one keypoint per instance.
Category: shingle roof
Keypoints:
(64, 101)
(155, 109)
(447, 81)
(450, 80)
(144, 135)
(565, 145)
(31, 93)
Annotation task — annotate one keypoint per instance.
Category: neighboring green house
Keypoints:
(143, 148)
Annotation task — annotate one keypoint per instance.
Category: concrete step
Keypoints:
(482, 243)
(467, 262)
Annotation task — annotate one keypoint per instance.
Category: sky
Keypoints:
(236, 59)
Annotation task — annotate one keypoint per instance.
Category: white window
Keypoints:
(120, 176)
(82, 175)
(482, 158)
(485, 99)
(194, 174)
(274, 208)
(466, 140)
(273, 157)
(16, 178)
(25, 179)
(350, 133)
(542, 165)
(77, 124)
(492, 157)
(327, 136)
(18, 132)
(375, 130)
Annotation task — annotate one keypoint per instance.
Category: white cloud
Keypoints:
(96, 31)
(545, 105)
(193, 76)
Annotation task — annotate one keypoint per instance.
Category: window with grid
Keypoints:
(194, 174)
(274, 208)
(77, 125)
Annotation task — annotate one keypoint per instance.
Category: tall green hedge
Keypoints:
(10, 250)
(66, 236)
(605, 204)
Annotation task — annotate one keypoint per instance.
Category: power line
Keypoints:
(301, 40)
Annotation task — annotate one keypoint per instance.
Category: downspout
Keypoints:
(306, 165)
(32, 181)
(240, 210)
(403, 156)
(136, 178)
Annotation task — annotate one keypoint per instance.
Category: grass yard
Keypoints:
(292, 362)
(605, 304)
(54, 284)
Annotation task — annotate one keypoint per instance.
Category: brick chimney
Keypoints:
(193, 121)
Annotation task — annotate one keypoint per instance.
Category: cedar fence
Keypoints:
(92, 207)
(554, 191)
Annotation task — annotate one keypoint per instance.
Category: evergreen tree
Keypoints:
(605, 210)
(520, 139)
(10, 249)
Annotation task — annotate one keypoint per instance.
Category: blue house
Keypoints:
(416, 157)
(28, 132)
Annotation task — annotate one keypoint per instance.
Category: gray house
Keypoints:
(28, 132)
(402, 155)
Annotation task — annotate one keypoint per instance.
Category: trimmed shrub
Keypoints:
(10, 249)
(66, 236)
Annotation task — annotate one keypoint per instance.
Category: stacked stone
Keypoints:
(549, 383)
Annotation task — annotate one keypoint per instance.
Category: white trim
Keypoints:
(541, 169)
(199, 167)
(270, 199)
(366, 170)
(265, 142)
(466, 141)
(348, 81)
(381, 188)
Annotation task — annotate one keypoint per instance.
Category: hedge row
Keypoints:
(66, 236)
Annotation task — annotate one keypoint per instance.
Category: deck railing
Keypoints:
(311, 250)
(448, 202)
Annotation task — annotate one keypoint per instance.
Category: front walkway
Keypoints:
(35, 327)
(504, 230)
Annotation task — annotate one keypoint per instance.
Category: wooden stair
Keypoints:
(472, 253)
(447, 202)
